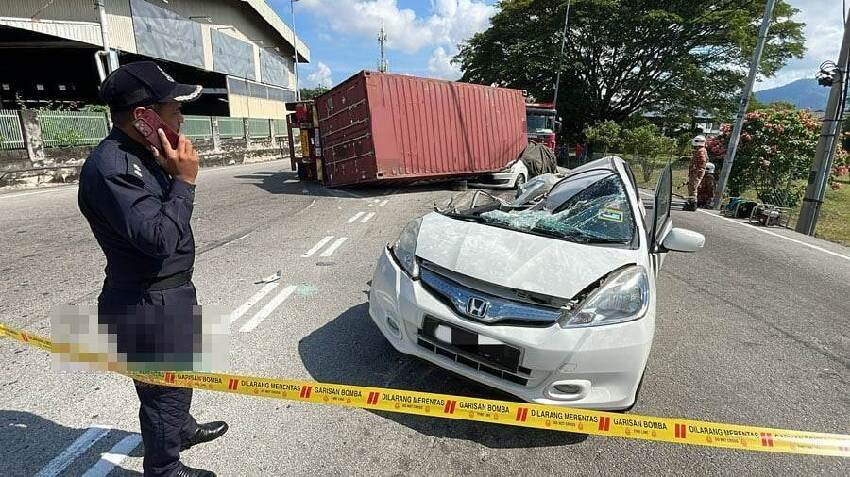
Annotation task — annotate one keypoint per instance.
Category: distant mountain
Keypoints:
(804, 93)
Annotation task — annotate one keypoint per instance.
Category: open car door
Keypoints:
(662, 222)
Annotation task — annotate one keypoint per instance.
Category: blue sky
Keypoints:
(423, 36)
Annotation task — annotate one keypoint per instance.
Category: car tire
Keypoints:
(520, 180)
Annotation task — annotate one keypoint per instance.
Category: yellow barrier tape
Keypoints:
(556, 418)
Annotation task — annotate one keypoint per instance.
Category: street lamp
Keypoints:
(561, 58)
(295, 45)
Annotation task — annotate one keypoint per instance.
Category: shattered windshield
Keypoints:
(589, 208)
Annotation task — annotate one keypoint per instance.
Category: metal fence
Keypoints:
(197, 127)
(259, 128)
(11, 134)
(72, 128)
(231, 128)
(81, 128)
(279, 127)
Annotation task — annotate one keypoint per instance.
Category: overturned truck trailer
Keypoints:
(388, 128)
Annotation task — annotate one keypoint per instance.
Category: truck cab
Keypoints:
(542, 123)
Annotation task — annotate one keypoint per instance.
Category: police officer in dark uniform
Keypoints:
(138, 201)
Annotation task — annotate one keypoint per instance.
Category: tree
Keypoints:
(605, 135)
(754, 104)
(646, 143)
(312, 93)
(774, 155)
(624, 56)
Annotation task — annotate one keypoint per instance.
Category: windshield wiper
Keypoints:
(465, 217)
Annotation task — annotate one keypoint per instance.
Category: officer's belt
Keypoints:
(158, 283)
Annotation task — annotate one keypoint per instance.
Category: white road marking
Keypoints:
(383, 203)
(114, 457)
(330, 251)
(82, 444)
(252, 301)
(768, 232)
(267, 310)
(356, 216)
(318, 246)
(35, 192)
(368, 217)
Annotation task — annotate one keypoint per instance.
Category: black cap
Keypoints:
(144, 83)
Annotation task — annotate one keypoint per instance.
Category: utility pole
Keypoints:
(383, 66)
(561, 58)
(295, 45)
(819, 174)
(745, 102)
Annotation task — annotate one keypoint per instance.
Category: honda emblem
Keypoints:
(477, 307)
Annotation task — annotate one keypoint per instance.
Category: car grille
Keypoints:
(494, 310)
(471, 361)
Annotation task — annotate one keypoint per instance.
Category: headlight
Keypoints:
(404, 248)
(624, 296)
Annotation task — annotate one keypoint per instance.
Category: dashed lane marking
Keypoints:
(114, 457)
(252, 301)
(355, 217)
(383, 203)
(368, 217)
(330, 250)
(77, 448)
(267, 310)
(318, 246)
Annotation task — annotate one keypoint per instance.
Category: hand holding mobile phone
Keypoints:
(182, 162)
(174, 153)
(148, 124)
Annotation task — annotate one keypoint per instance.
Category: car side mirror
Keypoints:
(683, 240)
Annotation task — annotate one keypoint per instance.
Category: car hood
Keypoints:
(515, 259)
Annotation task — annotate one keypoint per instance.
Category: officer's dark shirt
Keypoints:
(139, 214)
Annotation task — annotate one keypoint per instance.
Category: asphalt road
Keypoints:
(752, 330)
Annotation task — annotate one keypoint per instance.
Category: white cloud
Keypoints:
(450, 22)
(440, 64)
(321, 77)
(823, 33)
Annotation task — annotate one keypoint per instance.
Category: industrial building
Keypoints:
(241, 51)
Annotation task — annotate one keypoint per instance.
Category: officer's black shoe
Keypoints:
(205, 433)
(184, 471)
(690, 206)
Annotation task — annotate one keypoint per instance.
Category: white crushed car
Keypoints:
(513, 176)
(550, 297)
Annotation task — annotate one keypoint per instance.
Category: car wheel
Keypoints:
(520, 180)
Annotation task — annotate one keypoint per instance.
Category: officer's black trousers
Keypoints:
(166, 423)
(151, 326)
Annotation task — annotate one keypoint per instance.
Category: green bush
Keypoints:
(649, 148)
(775, 153)
(604, 136)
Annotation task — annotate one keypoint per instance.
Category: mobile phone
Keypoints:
(147, 126)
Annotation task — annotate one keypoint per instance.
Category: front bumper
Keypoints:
(602, 366)
(496, 180)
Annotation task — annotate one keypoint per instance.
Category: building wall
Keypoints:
(245, 22)
(248, 107)
(120, 25)
(65, 10)
(78, 20)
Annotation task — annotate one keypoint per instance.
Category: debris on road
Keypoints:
(270, 278)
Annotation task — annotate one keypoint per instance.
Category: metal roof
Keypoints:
(273, 19)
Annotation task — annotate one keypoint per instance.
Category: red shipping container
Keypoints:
(381, 127)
